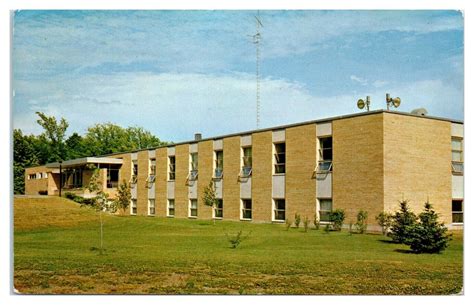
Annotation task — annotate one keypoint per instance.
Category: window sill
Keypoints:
(279, 174)
(171, 180)
(192, 217)
(151, 215)
(278, 221)
(245, 219)
(457, 224)
(458, 173)
(217, 218)
(170, 216)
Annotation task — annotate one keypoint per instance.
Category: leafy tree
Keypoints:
(23, 156)
(109, 138)
(99, 201)
(428, 235)
(384, 220)
(361, 223)
(75, 147)
(402, 221)
(124, 196)
(337, 218)
(54, 133)
(209, 196)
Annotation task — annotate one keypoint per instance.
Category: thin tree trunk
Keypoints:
(101, 232)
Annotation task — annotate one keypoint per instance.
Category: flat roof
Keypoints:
(84, 161)
(324, 120)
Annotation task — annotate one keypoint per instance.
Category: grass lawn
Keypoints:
(55, 240)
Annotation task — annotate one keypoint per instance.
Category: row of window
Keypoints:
(279, 209)
(279, 162)
(457, 163)
(37, 176)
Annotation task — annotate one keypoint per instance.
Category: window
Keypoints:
(325, 209)
(325, 155)
(151, 206)
(246, 208)
(457, 210)
(77, 177)
(246, 162)
(193, 208)
(219, 209)
(152, 171)
(457, 163)
(45, 175)
(112, 177)
(170, 207)
(133, 207)
(31, 176)
(171, 167)
(219, 164)
(279, 158)
(279, 210)
(193, 165)
(134, 172)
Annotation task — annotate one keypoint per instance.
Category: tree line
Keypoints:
(53, 144)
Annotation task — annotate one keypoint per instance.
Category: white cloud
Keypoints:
(175, 106)
(379, 83)
(358, 79)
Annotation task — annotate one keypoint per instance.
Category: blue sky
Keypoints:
(180, 72)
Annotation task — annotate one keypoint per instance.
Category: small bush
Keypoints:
(327, 228)
(306, 223)
(350, 228)
(428, 235)
(316, 222)
(403, 220)
(236, 240)
(297, 220)
(384, 220)
(361, 223)
(337, 218)
(70, 195)
(288, 224)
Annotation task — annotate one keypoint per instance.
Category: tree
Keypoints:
(23, 156)
(402, 221)
(124, 196)
(428, 235)
(75, 147)
(54, 133)
(361, 223)
(384, 220)
(109, 138)
(209, 196)
(337, 218)
(99, 201)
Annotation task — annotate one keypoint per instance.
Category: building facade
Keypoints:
(366, 161)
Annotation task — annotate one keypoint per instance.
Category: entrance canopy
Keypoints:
(83, 161)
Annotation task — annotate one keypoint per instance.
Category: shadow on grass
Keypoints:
(387, 241)
(405, 251)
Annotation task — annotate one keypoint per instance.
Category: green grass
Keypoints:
(146, 255)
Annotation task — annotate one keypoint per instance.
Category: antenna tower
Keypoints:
(256, 40)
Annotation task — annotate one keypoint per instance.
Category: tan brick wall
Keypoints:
(205, 166)
(300, 189)
(142, 190)
(180, 187)
(231, 186)
(417, 163)
(34, 186)
(161, 199)
(262, 176)
(125, 172)
(358, 166)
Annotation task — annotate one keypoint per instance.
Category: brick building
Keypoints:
(366, 161)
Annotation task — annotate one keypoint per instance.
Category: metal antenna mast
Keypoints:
(256, 40)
